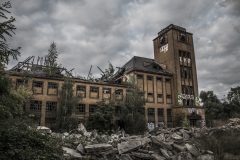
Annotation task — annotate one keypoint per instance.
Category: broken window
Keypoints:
(160, 114)
(52, 88)
(37, 87)
(184, 58)
(106, 93)
(151, 115)
(94, 92)
(160, 98)
(140, 82)
(119, 94)
(81, 91)
(21, 82)
(51, 106)
(81, 109)
(169, 118)
(36, 106)
(169, 99)
(150, 97)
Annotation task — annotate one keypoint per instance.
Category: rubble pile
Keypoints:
(160, 144)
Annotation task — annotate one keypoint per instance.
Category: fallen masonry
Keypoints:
(162, 144)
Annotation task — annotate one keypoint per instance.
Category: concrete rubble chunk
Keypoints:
(167, 145)
(185, 136)
(141, 155)
(158, 157)
(81, 128)
(175, 136)
(132, 144)
(44, 129)
(179, 147)
(164, 153)
(160, 137)
(192, 149)
(125, 157)
(80, 149)
(205, 157)
(96, 148)
(73, 153)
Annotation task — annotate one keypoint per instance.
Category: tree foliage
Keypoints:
(68, 102)
(216, 109)
(18, 141)
(7, 29)
(103, 118)
(52, 67)
(128, 114)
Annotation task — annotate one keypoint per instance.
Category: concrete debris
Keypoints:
(162, 144)
(71, 152)
(44, 129)
(96, 148)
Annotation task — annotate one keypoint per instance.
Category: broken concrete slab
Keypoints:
(192, 149)
(132, 144)
(98, 148)
(73, 153)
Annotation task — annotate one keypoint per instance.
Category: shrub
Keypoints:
(18, 141)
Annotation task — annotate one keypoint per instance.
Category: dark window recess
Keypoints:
(35, 105)
(81, 108)
(38, 84)
(169, 115)
(52, 85)
(139, 76)
(160, 98)
(94, 89)
(150, 78)
(159, 79)
(21, 82)
(119, 92)
(107, 90)
(81, 88)
(160, 114)
(182, 37)
(167, 80)
(51, 106)
(150, 94)
(151, 112)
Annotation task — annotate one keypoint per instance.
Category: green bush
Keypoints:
(221, 141)
(18, 141)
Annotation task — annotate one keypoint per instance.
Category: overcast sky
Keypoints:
(93, 32)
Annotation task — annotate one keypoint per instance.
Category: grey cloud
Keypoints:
(95, 32)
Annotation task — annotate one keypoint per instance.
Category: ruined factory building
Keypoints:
(169, 83)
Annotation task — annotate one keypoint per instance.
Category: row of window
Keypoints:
(37, 106)
(52, 89)
(185, 58)
(159, 88)
(160, 115)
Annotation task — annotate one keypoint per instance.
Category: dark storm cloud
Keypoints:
(95, 32)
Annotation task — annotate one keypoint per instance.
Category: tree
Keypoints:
(232, 103)
(52, 66)
(134, 119)
(68, 102)
(7, 29)
(103, 118)
(213, 107)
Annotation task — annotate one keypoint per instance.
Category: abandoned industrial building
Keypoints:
(169, 83)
